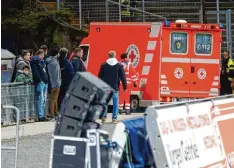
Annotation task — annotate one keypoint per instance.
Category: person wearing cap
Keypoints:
(24, 76)
(112, 73)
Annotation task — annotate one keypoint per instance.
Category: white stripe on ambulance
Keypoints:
(163, 76)
(215, 83)
(149, 57)
(164, 82)
(145, 70)
(151, 45)
(190, 60)
(155, 29)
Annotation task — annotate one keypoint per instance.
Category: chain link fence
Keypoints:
(139, 11)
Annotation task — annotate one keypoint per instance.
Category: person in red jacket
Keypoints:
(131, 76)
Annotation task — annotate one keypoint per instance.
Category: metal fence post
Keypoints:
(107, 11)
(143, 8)
(80, 14)
(58, 5)
(229, 31)
(17, 133)
(217, 6)
(119, 10)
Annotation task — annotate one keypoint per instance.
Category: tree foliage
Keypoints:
(28, 24)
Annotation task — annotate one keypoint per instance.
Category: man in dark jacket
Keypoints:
(112, 72)
(67, 74)
(227, 75)
(77, 62)
(54, 74)
(40, 79)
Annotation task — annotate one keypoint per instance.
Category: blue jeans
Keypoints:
(41, 98)
(115, 109)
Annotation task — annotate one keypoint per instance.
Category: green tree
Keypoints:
(29, 25)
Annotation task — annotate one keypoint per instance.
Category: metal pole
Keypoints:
(17, 133)
(217, 6)
(58, 5)
(229, 31)
(80, 14)
(143, 8)
(202, 12)
(119, 10)
(107, 11)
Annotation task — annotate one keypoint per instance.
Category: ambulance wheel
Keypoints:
(134, 104)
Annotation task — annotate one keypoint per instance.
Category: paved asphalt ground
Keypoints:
(34, 150)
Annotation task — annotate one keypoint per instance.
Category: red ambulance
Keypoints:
(175, 60)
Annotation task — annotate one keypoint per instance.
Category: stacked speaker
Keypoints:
(72, 142)
(84, 103)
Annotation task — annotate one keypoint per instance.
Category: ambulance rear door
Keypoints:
(205, 63)
(175, 63)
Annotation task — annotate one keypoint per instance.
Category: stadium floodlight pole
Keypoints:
(217, 6)
(143, 8)
(120, 11)
(80, 14)
(107, 11)
(138, 10)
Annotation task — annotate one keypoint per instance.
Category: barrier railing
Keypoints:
(15, 148)
(21, 96)
(192, 134)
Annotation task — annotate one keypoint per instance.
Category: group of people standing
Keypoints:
(51, 72)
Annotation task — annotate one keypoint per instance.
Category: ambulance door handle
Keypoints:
(192, 69)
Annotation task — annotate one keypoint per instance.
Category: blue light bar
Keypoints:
(221, 25)
(167, 23)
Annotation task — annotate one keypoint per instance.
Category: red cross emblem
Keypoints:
(178, 73)
(132, 56)
(201, 73)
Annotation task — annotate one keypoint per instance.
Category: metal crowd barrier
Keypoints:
(21, 96)
(15, 148)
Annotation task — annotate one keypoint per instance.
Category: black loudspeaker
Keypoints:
(69, 152)
(95, 112)
(69, 127)
(84, 102)
(74, 107)
(88, 87)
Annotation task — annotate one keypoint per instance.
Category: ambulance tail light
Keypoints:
(166, 99)
(214, 27)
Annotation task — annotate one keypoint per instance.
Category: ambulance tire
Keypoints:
(134, 104)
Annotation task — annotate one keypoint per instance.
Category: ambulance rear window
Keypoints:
(203, 44)
(179, 44)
